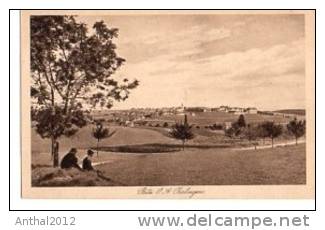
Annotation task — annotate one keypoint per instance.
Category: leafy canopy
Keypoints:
(271, 129)
(241, 121)
(100, 132)
(297, 128)
(251, 132)
(182, 131)
(72, 70)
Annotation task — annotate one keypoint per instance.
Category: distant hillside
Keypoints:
(292, 111)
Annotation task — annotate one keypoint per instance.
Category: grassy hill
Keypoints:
(208, 118)
(84, 139)
(301, 112)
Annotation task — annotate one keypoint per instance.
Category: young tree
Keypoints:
(286, 135)
(234, 131)
(230, 132)
(241, 121)
(252, 134)
(100, 133)
(237, 127)
(262, 132)
(182, 131)
(297, 128)
(273, 130)
(71, 67)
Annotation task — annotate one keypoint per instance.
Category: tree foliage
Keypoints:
(297, 128)
(233, 131)
(50, 123)
(252, 134)
(237, 128)
(100, 132)
(262, 132)
(241, 121)
(72, 66)
(272, 130)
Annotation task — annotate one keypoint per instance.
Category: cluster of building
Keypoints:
(237, 110)
(226, 109)
(137, 115)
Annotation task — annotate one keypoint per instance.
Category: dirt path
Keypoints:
(102, 162)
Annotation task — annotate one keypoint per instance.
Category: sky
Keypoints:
(211, 60)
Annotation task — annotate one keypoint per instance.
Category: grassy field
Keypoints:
(213, 166)
(208, 118)
(281, 165)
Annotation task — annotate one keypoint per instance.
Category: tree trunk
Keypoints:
(97, 147)
(55, 152)
(272, 142)
(55, 145)
(296, 140)
(183, 145)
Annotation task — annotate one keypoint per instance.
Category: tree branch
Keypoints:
(53, 82)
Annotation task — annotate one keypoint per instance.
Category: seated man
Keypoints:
(86, 163)
(70, 160)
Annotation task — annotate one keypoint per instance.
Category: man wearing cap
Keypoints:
(70, 160)
(86, 163)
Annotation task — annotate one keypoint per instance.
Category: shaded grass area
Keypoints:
(156, 148)
(197, 131)
(278, 166)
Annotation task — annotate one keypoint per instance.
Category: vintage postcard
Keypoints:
(168, 104)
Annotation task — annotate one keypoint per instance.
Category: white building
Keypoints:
(251, 110)
(180, 110)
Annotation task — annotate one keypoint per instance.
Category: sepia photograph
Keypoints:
(168, 104)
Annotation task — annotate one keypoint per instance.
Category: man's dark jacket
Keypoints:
(70, 161)
(86, 164)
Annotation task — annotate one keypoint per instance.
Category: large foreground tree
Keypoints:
(71, 66)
